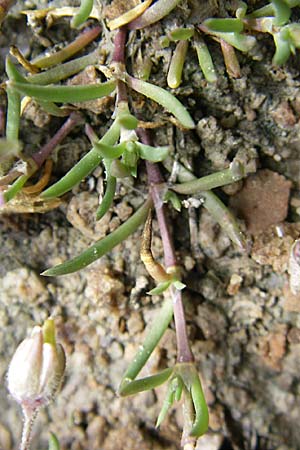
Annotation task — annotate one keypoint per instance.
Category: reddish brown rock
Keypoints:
(283, 115)
(272, 347)
(263, 200)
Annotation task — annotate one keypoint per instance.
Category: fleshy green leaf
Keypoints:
(239, 41)
(111, 184)
(144, 384)
(85, 9)
(128, 121)
(282, 12)
(53, 442)
(160, 288)
(153, 154)
(103, 246)
(163, 98)
(205, 60)
(110, 151)
(173, 198)
(224, 25)
(169, 400)
(283, 49)
(61, 94)
(180, 34)
(200, 425)
(179, 285)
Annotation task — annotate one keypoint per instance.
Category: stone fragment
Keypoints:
(273, 346)
(273, 245)
(263, 200)
(283, 115)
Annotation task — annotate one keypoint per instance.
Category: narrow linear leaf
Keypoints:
(13, 114)
(74, 47)
(78, 172)
(53, 442)
(239, 41)
(241, 10)
(152, 154)
(15, 187)
(127, 120)
(63, 71)
(170, 196)
(168, 401)
(111, 184)
(110, 151)
(153, 14)
(160, 288)
(12, 71)
(153, 336)
(176, 64)
(200, 425)
(52, 108)
(103, 246)
(282, 12)
(144, 384)
(179, 285)
(283, 50)
(84, 167)
(224, 25)
(291, 33)
(61, 94)
(215, 207)
(205, 60)
(180, 34)
(13, 103)
(234, 173)
(163, 98)
(179, 389)
(85, 10)
(225, 218)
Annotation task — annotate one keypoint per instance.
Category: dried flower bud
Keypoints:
(37, 368)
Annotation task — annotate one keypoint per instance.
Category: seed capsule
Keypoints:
(37, 368)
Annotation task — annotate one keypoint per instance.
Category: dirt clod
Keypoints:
(263, 200)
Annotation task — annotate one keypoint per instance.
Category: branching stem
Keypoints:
(155, 179)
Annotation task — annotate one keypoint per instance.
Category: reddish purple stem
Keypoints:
(119, 45)
(155, 180)
(119, 58)
(41, 156)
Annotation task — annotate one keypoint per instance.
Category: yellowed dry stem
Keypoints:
(129, 16)
(43, 181)
(31, 68)
(155, 269)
